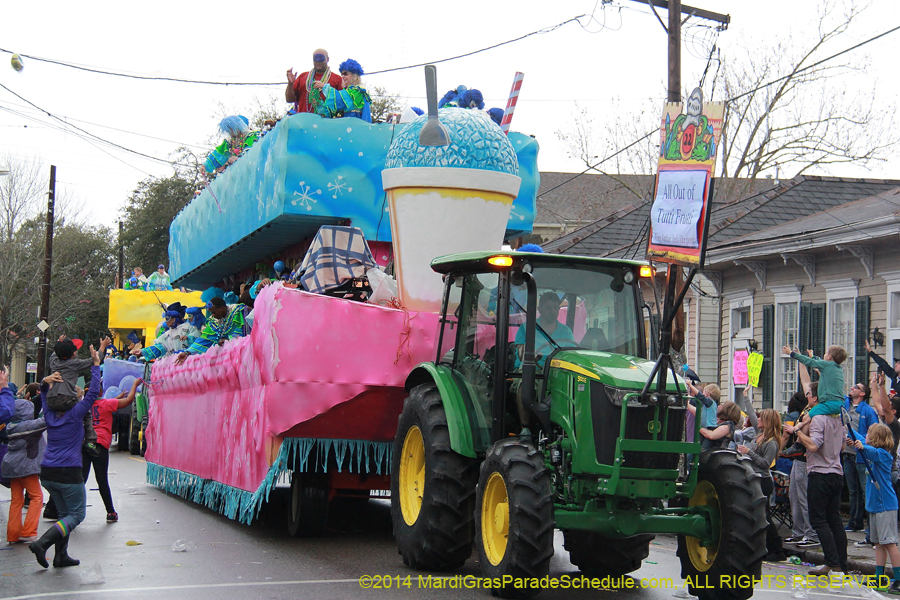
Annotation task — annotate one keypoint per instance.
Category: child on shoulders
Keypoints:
(729, 414)
(707, 401)
(831, 379)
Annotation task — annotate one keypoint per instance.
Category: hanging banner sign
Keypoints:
(679, 217)
(739, 367)
(754, 368)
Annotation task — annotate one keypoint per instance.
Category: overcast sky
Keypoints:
(621, 54)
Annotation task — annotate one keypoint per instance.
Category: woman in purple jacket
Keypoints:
(61, 469)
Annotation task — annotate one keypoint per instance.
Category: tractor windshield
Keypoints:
(596, 310)
(580, 305)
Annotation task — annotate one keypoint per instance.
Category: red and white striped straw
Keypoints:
(511, 103)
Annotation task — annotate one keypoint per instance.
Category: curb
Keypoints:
(817, 558)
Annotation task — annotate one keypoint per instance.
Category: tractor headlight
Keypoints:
(617, 396)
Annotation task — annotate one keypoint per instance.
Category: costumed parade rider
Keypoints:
(226, 322)
(179, 335)
(351, 101)
(159, 281)
(238, 140)
(305, 91)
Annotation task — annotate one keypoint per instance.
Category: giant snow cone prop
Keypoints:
(446, 198)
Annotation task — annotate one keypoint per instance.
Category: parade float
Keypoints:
(134, 320)
(313, 394)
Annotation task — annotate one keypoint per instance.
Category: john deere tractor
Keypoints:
(525, 423)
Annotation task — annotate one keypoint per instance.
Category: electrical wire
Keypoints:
(144, 135)
(815, 64)
(88, 133)
(264, 83)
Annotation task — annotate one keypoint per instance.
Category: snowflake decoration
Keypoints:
(513, 213)
(338, 187)
(304, 198)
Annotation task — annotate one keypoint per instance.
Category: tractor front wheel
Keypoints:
(514, 517)
(432, 487)
(731, 488)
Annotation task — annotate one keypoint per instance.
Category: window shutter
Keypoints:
(863, 305)
(803, 335)
(817, 334)
(766, 376)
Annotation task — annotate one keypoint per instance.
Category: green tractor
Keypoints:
(531, 420)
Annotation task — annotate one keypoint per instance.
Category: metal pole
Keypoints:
(45, 288)
(674, 50)
(121, 283)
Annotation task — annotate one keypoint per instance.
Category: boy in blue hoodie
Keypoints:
(881, 501)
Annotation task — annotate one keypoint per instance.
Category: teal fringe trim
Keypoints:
(244, 506)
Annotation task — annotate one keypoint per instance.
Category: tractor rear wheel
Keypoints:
(308, 507)
(514, 517)
(596, 555)
(432, 487)
(134, 437)
(730, 486)
(124, 432)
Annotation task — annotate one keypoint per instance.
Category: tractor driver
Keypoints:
(549, 332)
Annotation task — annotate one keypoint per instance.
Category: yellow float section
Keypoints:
(131, 310)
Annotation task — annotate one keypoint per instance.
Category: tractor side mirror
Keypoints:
(517, 277)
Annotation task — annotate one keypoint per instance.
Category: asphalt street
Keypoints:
(221, 559)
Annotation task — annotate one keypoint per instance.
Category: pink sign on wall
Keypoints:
(739, 367)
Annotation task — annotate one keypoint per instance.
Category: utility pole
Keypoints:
(674, 51)
(673, 317)
(45, 288)
(121, 282)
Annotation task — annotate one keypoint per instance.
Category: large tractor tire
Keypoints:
(308, 506)
(514, 517)
(432, 487)
(731, 486)
(596, 555)
(134, 437)
(123, 432)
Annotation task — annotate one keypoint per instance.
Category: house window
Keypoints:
(741, 322)
(843, 329)
(787, 383)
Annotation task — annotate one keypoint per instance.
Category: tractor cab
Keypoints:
(584, 319)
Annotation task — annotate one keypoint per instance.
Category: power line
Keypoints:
(269, 83)
(815, 64)
(96, 137)
(595, 165)
(152, 137)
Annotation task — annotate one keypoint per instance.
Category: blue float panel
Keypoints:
(305, 173)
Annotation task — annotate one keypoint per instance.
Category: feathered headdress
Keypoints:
(452, 96)
(496, 115)
(471, 99)
(351, 66)
(234, 125)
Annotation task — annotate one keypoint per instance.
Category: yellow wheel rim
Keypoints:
(412, 475)
(703, 557)
(495, 519)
